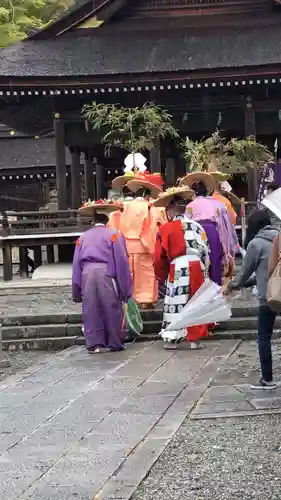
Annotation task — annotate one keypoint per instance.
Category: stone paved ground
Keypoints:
(57, 299)
(74, 426)
(19, 360)
(229, 446)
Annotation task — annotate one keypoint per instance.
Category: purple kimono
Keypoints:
(101, 280)
(221, 235)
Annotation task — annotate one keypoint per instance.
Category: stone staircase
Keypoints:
(60, 330)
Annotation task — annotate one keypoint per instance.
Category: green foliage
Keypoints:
(214, 153)
(249, 153)
(132, 129)
(205, 154)
(20, 18)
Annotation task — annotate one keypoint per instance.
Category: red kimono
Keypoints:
(181, 259)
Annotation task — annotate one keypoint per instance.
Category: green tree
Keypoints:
(133, 129)
(20, 18)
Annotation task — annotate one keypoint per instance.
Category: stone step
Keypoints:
(59, 343)
(245, 323)
(149, 315)
(62, 324)
(24, 330)
(41, 344)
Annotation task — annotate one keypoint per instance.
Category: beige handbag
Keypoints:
(274, 285)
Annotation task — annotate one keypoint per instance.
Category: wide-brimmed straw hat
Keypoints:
(164, 199)
(153, 182)
(100, 207)
(121, 181)
(196, 177)
(220, 176)
(231, 196)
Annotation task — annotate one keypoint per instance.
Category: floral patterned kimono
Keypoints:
(182, 259)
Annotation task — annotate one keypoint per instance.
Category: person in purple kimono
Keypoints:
(101, 280)
(213, 217)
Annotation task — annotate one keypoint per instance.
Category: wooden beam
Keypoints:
(7, 261)
(23, 254)
(169, 77)
(75, 178)
(60, 161)
(100, 181)
(37, 256)
(155, 158)
(250, 129)
(89, 178)
(50, 254)
(170, 172)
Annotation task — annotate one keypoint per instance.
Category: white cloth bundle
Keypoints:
(273, 202)
(207, 306)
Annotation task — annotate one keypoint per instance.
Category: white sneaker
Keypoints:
(170, 345)
(95, 351)
(263, 385)
(196, 345)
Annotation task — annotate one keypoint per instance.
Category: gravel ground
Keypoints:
(222, 459)
(21, 360)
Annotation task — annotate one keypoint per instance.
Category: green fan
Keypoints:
(133, 317)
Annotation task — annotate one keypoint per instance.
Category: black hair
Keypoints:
(257, 220)
(200, 189)
(273, 186)
(179, 203)
(143, 192)
(100, 218)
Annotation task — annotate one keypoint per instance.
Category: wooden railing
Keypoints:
(62, 221)
(246, 208)
(35, 230)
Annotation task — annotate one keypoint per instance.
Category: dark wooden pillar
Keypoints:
(50, 254)
(7, 261)
(100, 182)
(37, 256)
(60, 161)
(23, 254)
(170, 172)
(155, 158)
(89, 177)
(75, 178)
(250, 129)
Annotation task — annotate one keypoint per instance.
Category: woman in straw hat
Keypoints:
(101, 280)
(213, 216)
(182, 259)
(220, 178)
(139, 223)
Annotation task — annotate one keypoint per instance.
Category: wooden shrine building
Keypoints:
(211, 63)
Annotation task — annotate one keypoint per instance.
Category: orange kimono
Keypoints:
(231, 212)
(114, 220)
(139, 225)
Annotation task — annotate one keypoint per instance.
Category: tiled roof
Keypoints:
(149, 52)
(23, 153)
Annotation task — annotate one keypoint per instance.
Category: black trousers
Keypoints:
(266, 319)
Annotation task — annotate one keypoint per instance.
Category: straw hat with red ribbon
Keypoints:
(153, 182)
(89, 208)
(166, 197)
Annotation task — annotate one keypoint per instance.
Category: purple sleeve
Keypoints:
(76, 274)
(122, 269)
(226, 232)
